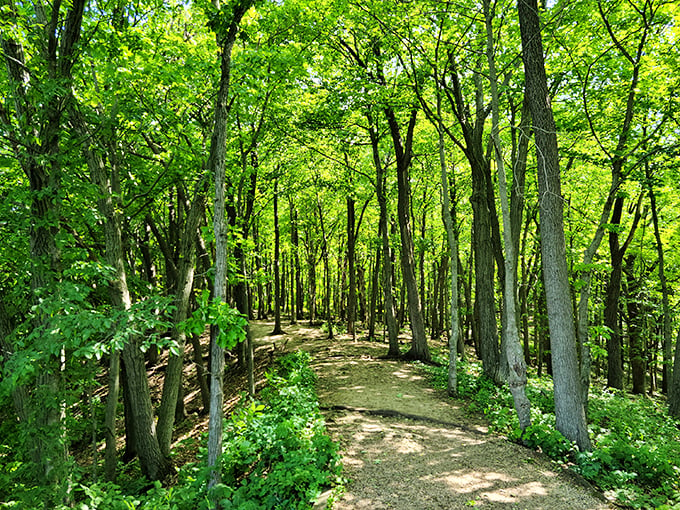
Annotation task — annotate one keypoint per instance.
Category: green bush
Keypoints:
(276, 452)
(276, 455)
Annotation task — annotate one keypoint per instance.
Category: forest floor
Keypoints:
(405, 445)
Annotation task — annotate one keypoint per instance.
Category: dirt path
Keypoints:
(443, 459)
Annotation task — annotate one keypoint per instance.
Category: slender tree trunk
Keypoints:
(277, 269)
(153, 462)
(448, 217)
(375, 283)
(295, 241)
(635, 328)
(351, 270)
(611, 315)
(185, 284)
(674, 389)
(217, 166)
(383, 232)
(419, 349)
(667, 333)
(569, 406)
(517, 378)
(311, 278)
(326, 270)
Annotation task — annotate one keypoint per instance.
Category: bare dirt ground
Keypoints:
(407, 446)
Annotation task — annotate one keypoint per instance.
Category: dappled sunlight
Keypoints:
(405, 445)
(465, 481)
(406, 374)
(514, 493)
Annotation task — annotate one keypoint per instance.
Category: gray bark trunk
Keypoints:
(517, 374)
(185, 284)
(449, 223)
(402, 149)
(569, 406)
(387, 281)
(217, 166)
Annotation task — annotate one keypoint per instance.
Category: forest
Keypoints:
(496, 181)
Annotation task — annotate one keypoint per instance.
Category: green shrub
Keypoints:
(276, 452)
(276, 455)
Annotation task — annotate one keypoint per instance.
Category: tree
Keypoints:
(569, 406)
(39, 80)
(225, 23)
(517, 373)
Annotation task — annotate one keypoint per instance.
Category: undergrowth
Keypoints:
(636, 444)
(276, 455)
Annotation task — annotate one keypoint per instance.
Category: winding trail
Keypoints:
(407, 446)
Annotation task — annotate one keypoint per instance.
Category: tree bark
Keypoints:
(326, 269)
(295, 241)
(387, 269)
(277, 269)
(375, 284)
(402, 150)
(311, 276)
(351, 257)
(155, 464)
(185, 284)
(217, 166)
(35, 131)
(611, 313)
(636, 339)
(448, 217)
(674, 390)
(569, 406)
(667, 340)
(517, 374)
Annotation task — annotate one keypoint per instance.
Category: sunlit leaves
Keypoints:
(230, 325)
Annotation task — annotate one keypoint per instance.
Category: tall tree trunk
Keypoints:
(448, 217)
(667, 340)
(569, 406)
(636, 339)
(402, 149)
(383, 232)
(155, 464)
(375, 284)
(185, 284)
(351, 256)
(277, 269)
(295, 241)
(34, 129)
(611, 314)
(517, 378)
(311, 275)
(485, 303)
(326, 270)
(217, 166)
